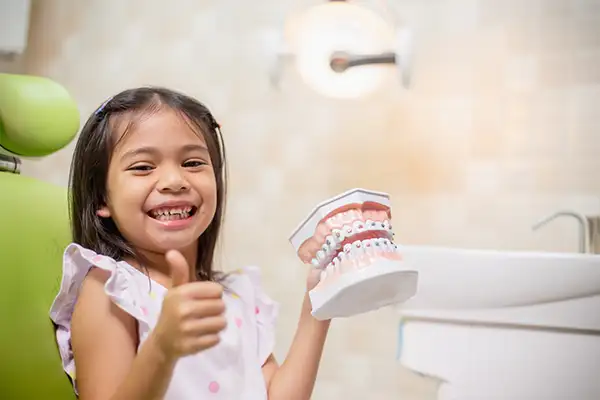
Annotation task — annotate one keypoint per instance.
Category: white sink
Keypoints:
(504, 325)
(484, 279)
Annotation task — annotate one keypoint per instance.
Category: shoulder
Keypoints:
(93, 283)
(95, 312)
(85, 276)
(247, 280)
(92, 297)
(248, 284)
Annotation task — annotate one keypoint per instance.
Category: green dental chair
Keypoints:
(37, 118)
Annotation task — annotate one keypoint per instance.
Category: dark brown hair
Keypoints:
(91, 159)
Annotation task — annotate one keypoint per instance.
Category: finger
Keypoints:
(203, 308)
(203, 290)
(202, 343)
(180, 270)
(205, 326)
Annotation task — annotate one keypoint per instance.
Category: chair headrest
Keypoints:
(37, 116)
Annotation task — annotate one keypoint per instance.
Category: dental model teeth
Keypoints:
(350, 239)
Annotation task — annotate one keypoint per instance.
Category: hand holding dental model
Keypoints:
(348, 240)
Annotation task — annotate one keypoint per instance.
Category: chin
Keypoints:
(164, 244)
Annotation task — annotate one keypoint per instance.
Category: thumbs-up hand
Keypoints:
(192, 312)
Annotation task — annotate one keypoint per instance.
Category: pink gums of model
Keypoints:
(350, 239)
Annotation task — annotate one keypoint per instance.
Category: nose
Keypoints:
(172, 180)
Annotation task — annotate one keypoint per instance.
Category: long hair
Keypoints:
(92, 156)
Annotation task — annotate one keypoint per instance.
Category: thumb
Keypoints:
(180, 270)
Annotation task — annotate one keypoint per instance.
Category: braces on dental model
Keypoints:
(350, 239)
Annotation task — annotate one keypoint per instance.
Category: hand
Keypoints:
(314, 277)
(192, 312)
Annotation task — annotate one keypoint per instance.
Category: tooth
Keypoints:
(358, 226)
(370, 224)
(315, 262)
(347, 248)
(347, 230)
(377, 244)
(343, 257)
(323, 274)
(357, 249)
(368, 246)
(336, 261)
(386, 245)
(338, 235)
(331, 242)
(386, 224)
(320, 256)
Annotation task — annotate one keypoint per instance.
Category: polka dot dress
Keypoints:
(230, 370)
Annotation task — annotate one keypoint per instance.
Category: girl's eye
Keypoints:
(193, 164)
(141, 168)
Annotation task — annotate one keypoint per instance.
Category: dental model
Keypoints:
(349, 238)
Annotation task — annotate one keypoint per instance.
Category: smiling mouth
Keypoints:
(172, 213)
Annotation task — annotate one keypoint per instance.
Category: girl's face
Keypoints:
(161, 186)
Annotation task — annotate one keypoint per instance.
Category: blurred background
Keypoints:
(496, 129)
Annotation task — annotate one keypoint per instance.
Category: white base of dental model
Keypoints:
(349, 238)
(379, 285)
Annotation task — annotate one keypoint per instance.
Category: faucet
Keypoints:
(589, 229)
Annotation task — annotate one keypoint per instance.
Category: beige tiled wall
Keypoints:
(500, 128)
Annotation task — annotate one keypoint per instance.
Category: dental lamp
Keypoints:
(344, 50)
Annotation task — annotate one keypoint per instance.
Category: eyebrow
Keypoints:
(188, 148)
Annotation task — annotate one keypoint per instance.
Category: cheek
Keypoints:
(207, 189)
(213, 193)
(127, 194)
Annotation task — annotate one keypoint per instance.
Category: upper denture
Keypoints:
(352, 217)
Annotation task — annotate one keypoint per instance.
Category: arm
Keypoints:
(104, 341)
(295, 378)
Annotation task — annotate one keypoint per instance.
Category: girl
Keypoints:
(141, 312)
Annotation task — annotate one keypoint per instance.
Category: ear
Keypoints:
(103, 212)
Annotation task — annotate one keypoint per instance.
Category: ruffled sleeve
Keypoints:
(266, 311)
(120, 287)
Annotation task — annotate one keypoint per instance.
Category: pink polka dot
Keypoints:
(238, 322)
(256, 310)
(97, 259)
(213, 387)
(144, 311)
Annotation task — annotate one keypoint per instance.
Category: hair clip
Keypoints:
(101, 108)
(214, 123)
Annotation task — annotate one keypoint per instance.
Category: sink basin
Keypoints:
(485, 279)
(488, 322)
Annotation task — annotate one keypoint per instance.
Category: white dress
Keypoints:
(229, 371)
